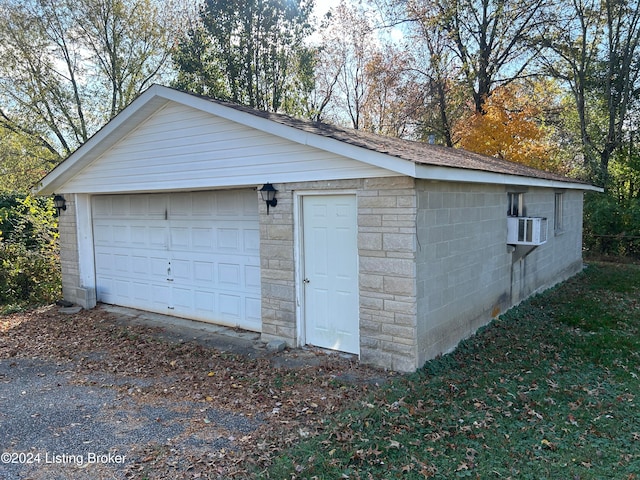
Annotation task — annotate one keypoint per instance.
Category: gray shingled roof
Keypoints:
(417, 152)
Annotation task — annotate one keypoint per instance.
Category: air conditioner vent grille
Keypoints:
(527, 230)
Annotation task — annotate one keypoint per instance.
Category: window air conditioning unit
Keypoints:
(526, 230)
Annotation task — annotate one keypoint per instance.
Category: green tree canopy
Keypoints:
(593, 46)
(68, 66)
(251, 52)
(22, 162)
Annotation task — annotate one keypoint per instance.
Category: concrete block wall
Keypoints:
(561, 256)
(386, 245)
(568, 241)
(72, 288)
(387, 248)
(277, 268)
(467, 274)
(462, 262)
(69, 261)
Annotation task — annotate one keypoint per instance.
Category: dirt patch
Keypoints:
(144, 401)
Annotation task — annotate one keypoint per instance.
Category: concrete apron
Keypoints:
(221, 338)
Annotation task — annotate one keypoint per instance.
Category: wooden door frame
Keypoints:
(298, 253)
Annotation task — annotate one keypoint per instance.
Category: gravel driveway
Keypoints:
(102, 394)
(58, 426)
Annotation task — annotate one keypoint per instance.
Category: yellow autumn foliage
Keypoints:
(511, 127)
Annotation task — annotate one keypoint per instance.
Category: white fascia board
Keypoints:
(450, 174)
(141, 108)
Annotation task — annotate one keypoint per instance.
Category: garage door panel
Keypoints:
(103, 262)
(157, 207)
(104, 289)
(203, 271)
(122, 291)
(180, 205)
(229, 275)
(121, 263)
(230, 305)
(194, 255)
(181, 270)
(230, 205)
(120, 204)
(252, 276)
(132, 264)
(139, 265)
(180, 238)
(159, 296)
(182, 298)
(102, 235)
(141, 291)
(121, 235)
(139, 205)
(253, 311)
(157, 237)
(158, 268)
(229, 239)
(203, 238)
(204, 302)
(139, 236)
(251, 241)
(203, 203)
(249, 206)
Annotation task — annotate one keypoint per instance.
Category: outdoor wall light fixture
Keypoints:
(60, 203)
(268, 193)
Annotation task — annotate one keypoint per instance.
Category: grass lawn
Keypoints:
(550, 390)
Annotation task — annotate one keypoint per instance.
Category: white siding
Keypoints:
(180, 148)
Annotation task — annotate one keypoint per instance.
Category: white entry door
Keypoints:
(194, 255)
(330, 266)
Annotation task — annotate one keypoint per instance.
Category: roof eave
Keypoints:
(401, 166)
(157, 96)
(450, 174)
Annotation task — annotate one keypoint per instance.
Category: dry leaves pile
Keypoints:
(286, 404)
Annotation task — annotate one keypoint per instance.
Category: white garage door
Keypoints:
(194, 255)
